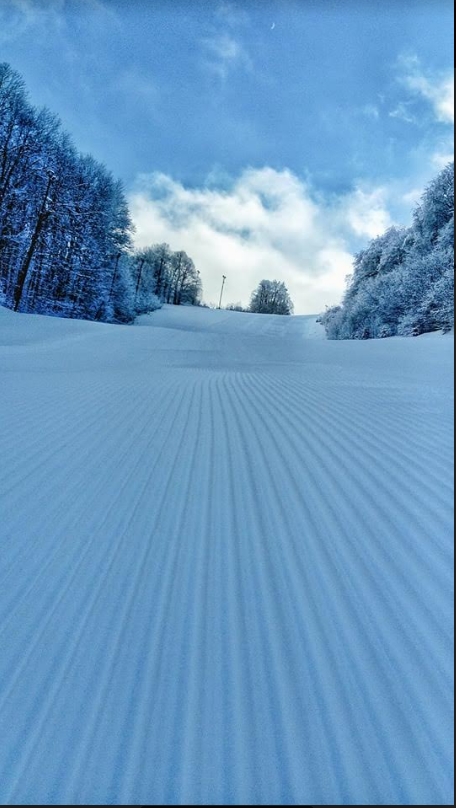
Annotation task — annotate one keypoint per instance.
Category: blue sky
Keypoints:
(268, 138)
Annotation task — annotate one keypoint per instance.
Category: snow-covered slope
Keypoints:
(225, 570)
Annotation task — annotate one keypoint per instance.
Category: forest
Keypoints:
(66, 245)
(403, 282)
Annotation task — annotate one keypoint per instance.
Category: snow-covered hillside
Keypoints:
(226, 563)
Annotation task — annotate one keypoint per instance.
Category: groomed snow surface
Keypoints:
(226, 563)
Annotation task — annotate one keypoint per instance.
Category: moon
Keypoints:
(272, 26)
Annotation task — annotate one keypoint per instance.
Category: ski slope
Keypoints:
(226, 563)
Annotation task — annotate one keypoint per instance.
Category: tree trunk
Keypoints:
(22, 274)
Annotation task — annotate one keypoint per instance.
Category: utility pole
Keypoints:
(221, 292)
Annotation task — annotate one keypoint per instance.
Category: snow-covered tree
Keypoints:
(435, 210)
(403, 282)
(271, 297)
(163, 275)
(65, 228)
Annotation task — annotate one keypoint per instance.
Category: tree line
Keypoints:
(65, 229)
(403, 282)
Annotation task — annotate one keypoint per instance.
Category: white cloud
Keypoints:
(371, 111)
(440, 159)
(265, 225)
(412, 197)
(47, 20)
(224, 47)
(17, 17)
(231, 15)
(366, 212)
(224, 53)
(438, 90)
(402, 112)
